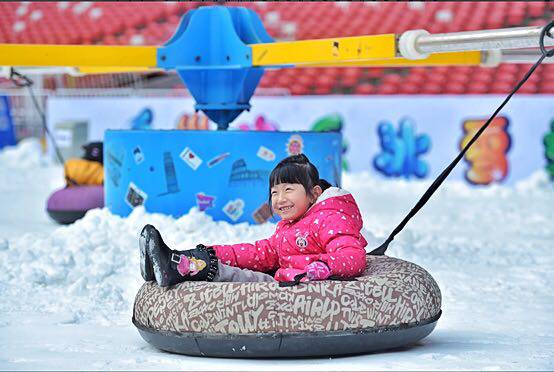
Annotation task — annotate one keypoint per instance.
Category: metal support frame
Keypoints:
(415, 48)
(523, 56)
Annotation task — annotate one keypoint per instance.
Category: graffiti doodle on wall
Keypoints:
(401, 150)
(143, 120)
(196, 121)
(190, 158)
(204, 201)
(332, 123)
(234, 209)
(218, 159)
(138, 155)
(260, 124)
(265, 154)
(170, 175)
(295, 145)
(262, 214)
(487, 156)
(114, 162)
(241, 174)
(135, 196)
(549, 151)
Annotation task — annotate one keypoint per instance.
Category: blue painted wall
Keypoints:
(223, 173)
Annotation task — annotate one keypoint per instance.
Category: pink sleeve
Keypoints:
(260, 256)
(344, 245)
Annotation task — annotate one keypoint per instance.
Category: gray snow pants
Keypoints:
(226, 273)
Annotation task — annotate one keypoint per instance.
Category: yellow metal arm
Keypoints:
(26, 55)
(334, 50)
(378, 50)
(115, 69)
(439, 59)
(102, 59)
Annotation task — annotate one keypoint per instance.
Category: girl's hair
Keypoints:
(296, 169)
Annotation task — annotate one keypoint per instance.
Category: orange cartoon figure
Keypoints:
(193, 122)
(487, 157)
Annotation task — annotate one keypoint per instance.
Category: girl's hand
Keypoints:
(317, 270)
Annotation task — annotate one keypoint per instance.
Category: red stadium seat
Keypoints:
(477, 88)
(298, 89)
(387, 89)
(432, 88)
(364, 88)
(409, 88)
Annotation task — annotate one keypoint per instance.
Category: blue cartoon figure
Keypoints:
(401, 150)
(143, 120)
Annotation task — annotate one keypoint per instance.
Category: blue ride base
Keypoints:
(223, 173)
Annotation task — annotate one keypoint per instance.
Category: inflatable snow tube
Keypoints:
(395, 303)
(67, 205)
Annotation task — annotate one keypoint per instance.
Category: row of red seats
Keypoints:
(312, 20)
(317, 20)
(426, 80)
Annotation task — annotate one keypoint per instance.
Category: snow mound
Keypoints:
(91, 266)
(539, 181)
(27, 154)
(67, 292)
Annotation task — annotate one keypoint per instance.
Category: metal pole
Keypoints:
(523, 56)
(506, 38)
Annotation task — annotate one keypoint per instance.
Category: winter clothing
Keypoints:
(317, 271)
(83, 172)
(89, 169)
(171, 267)
(226, 273)
(328, 232)
(94, 151)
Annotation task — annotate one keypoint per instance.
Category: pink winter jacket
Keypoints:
(328, 232)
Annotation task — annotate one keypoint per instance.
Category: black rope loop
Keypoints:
(23, 81)
(20, 80)
(546, 30)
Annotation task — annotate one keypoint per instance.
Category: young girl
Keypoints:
(318, 237)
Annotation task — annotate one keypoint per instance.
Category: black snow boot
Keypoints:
(146, 269)
(172, 267)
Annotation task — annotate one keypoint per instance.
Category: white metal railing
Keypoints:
(27, 120)
(506, 38)
(419, 44)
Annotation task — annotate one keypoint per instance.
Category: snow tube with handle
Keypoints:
(394, 303)
(67, 205)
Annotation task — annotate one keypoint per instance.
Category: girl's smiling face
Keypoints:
(290, 201)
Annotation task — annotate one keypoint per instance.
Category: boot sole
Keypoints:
(145, 265)
(153, 243)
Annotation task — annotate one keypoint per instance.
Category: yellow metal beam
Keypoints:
(472, 58)
(113, 70)
(378, 50)
(23, 55)
(341, 49)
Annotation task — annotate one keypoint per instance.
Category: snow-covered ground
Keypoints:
(67, 292)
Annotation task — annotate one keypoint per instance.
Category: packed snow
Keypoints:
(67, 291)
